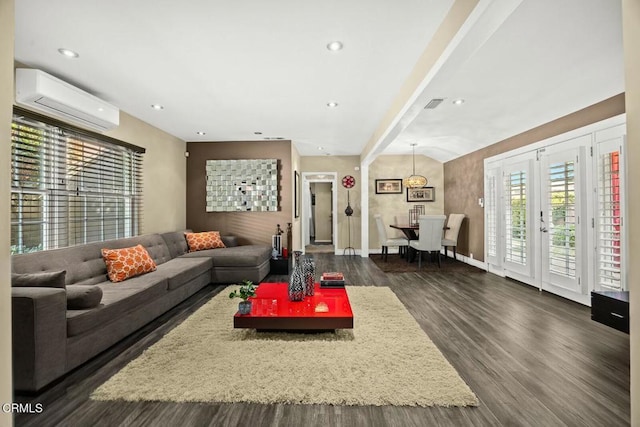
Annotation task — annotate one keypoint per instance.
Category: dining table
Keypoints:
(410, 230)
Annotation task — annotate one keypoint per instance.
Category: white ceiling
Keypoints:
(234, 68)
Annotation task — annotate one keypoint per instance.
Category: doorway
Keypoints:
(318, 212)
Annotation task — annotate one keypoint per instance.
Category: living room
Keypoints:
(171, 201)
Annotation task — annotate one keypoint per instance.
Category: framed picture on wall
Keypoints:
(388, 186)
(424, 194)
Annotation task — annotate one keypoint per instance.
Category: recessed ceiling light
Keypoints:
(335, 46)
(332, 104)
(201, 133)
(320, 148)
(68, 53)
(157, 107)
(458, 101)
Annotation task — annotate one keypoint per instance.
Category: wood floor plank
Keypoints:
(532, 358)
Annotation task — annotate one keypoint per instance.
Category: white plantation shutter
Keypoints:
(491, 214)
(516, 217)
(609, 218)
(70, 186)
(561, 193)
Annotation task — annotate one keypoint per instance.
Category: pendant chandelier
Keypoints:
(415, 181)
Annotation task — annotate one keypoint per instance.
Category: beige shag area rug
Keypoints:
(385, 360)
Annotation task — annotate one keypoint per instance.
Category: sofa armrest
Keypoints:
(230, 241)
(39, 326)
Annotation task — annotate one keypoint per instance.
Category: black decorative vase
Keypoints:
(348, 211)
(309, 270)
(297, 284)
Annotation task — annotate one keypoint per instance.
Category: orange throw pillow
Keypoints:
(204, 240)
(125, 263)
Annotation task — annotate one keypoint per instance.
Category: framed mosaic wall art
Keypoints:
(242, 185)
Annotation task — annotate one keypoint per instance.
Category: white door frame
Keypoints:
(307, 179)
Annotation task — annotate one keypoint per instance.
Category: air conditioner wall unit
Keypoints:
(40, 91)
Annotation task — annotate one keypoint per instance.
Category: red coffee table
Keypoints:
(271, 310)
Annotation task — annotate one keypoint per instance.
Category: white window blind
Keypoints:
(516, 217)
(70, 186)
(562, 218)
(608, 232)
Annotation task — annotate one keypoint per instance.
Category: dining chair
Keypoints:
(450, 239)
(430, 237)
(385, 241)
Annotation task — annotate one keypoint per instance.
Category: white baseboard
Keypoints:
(472, 261)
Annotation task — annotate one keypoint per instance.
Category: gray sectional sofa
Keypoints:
(50, 338)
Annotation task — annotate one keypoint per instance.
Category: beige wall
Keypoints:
(250, 227)
(464, 176)
(6, 107)
(342, 165)
(164, 180)
(394, 207)
(631, 35)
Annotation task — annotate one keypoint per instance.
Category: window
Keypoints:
(70, 186)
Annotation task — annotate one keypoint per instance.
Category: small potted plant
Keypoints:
(246, 291)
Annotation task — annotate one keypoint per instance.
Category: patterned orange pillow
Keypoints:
(204, 240)
(125, 263)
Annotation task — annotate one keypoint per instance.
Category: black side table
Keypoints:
(280, 265)
(611, 308)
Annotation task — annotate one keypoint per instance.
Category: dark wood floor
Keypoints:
(532, 359)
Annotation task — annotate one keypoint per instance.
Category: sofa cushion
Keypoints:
(44, 279)
(125, 263)
(238, 256)
(176, 242)
(180, 271)
(153, 243)
(117, 299)
(204, 240)
(230, 241)
(80, 297)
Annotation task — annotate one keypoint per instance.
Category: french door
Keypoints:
(554, 215)
(562, 212)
